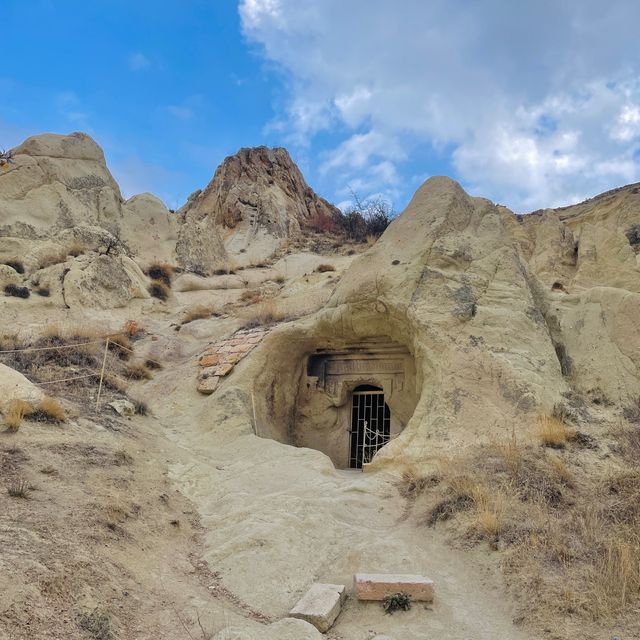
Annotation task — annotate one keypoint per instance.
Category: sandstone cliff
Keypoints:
(256, 200)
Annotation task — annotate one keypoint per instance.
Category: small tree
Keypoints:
(366, 218)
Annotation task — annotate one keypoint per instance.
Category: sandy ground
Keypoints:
(278, 518)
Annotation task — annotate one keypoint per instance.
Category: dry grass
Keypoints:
(251, 296)
(19, 489)
(553, 432)
(137, 371)
(265, 313)
(197, 312)
(49, 410)
(323, 268)
(568, 534)
(15, 413)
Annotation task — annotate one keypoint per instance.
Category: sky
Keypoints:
(532, 104)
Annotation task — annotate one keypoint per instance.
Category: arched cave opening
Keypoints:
(352, 400)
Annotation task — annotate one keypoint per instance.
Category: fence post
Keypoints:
(104, 363)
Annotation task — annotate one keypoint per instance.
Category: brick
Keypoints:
(377, 586)
(230, 358)
(223, 369)
(208, 385)
(243, 348)
(210, 360)
(320, 606)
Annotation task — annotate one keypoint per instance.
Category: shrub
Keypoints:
(141, 407)
(366, 218)
(49, 410)
(16, 291)
(160, 290)
(323, 268)
(14, 414)
(152, 364)
(137, 372)
(323, 223)
(19, 489)
(397, 602)
(161, 272)
(16, 265)
(97, 625)
(43, 291)
(120, 345)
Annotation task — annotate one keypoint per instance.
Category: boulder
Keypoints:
(14, 386)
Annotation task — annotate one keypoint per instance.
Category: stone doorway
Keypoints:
(370, 424)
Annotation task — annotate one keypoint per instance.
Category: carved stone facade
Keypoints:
(323, 417)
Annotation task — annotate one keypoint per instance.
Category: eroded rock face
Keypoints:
(507, 317)
(257, 199)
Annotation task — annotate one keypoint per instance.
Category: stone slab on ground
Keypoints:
(320, 605)
(377, 586)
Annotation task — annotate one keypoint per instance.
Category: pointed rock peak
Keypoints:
(257, 199)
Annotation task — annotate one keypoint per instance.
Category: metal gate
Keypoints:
(370, 426)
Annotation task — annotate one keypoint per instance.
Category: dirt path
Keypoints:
(277, 518)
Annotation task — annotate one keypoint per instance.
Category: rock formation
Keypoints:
(256, 200)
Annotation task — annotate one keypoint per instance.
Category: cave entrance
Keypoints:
(370, 424)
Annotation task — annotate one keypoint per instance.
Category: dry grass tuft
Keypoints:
(265, 313)
(15, 412)
(49, 410)
(323, 268)
(19, 489)
(137, 371)
(197, 312)
(554, 433)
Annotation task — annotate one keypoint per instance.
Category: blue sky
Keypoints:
(531, 104)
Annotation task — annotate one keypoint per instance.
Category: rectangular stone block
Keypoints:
(223, 369)
(320, 606)
(377, 586)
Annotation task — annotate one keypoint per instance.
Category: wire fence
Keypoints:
(106, 362)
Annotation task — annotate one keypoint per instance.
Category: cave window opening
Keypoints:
(370, 424)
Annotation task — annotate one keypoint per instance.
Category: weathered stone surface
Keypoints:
(257, 199)
(208, 385)
(14, 386)
(377, 586)
(123, 407)
(286, 629)
(320, 605)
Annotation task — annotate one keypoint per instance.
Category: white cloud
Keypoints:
(534, 104)
(138, 61)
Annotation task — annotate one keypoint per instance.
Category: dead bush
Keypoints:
(161, 272)
(631, 412)
(16, 265)
(160, 290)
(17, 291)
(14, 413)
(119, 345)
(137, 371)
(48, 410)
(43, 291)
(323, 268)
(97, 624)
